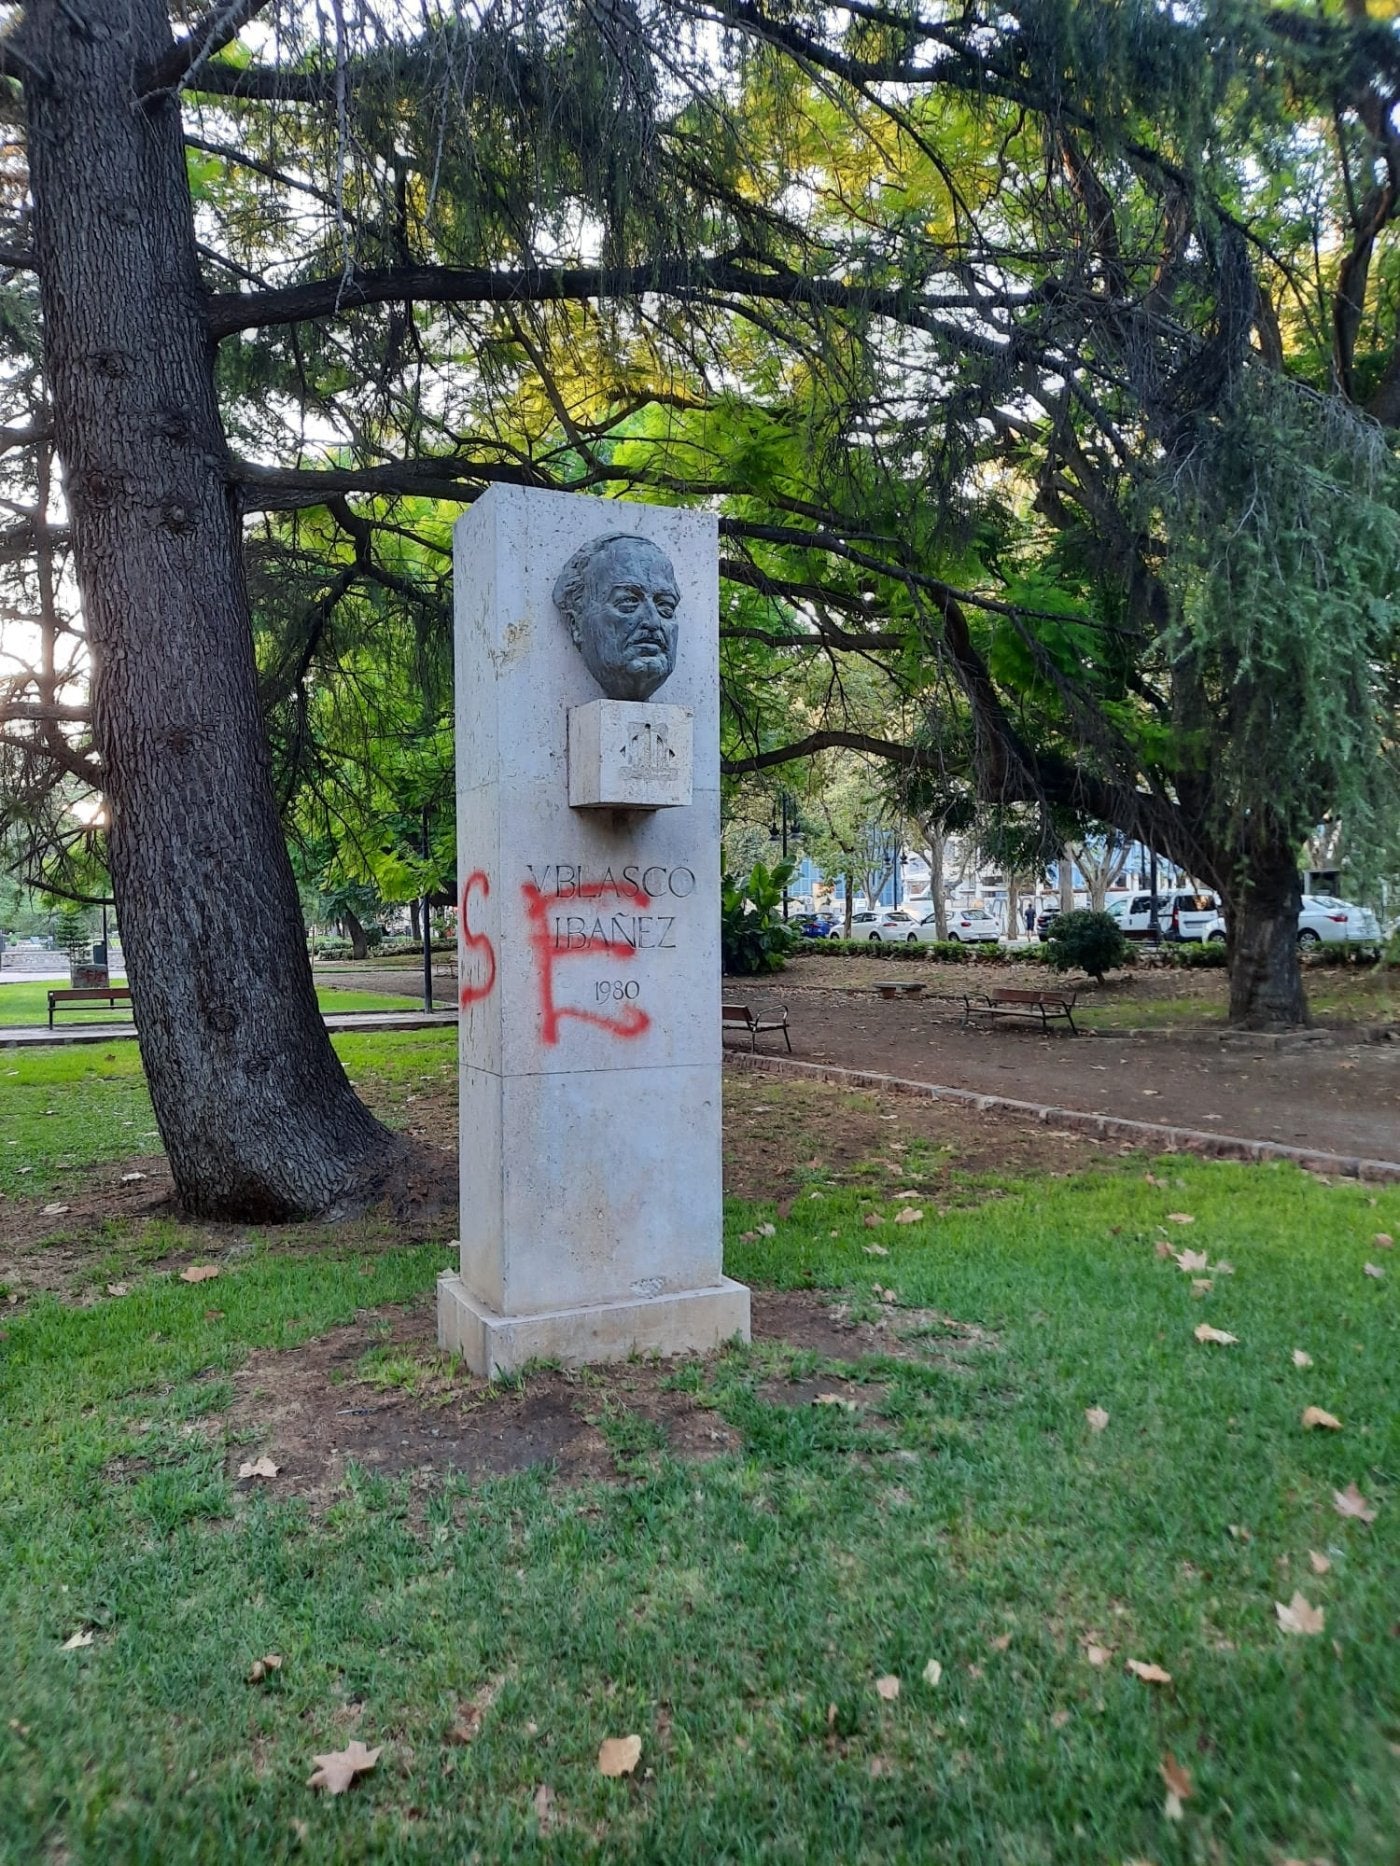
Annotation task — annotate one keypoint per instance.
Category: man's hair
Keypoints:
(571, 584)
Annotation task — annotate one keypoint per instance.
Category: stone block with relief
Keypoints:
(630, 755)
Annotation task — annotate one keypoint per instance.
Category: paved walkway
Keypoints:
(35, 1036)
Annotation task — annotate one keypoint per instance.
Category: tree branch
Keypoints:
(821, 742)
(228, 312)
(219, 27)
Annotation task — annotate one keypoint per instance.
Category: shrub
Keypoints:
(1194, 954)
(754, 937)
(1086, 942)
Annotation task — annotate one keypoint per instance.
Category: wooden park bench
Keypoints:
(110, 995)
(1009, 1003)
(743, 1017)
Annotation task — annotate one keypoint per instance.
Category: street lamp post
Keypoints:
(427, 926)
(1152, 926)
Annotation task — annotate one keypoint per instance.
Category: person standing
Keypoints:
(1030, 918)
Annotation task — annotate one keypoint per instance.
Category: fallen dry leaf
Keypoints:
(118, 1289)
(1058, 1719)
(130, 1179)
(1319, 1562)
(875, 1250)
(874, 1218)
(878, 1766)
(259, 1467)
(55, 1211)
(1372, 1269)
(1097, 1418)
(1222, 1268)
(1163, 1248)
(1298, 1616)
(1201, 1285)
(1098, 1655)
(1383, 1241)
(1315, 1416)
(933, 1672)
(1204, 1332)
(887, 1687)
(470, 1715)
(1192, 1260)
(337, 1771)
(1149, 1674)
(1180, 1218)
(768, 1231)
(619, 1755)
(83, 1638)
(259, 1669)
(1179, 1788)
(908, 1216)
(1001, 1642)
(1301, 1358)
(1350, 1502)
(835, 1399)
(201, 1273)
(1177, 1779)
(544, 1807)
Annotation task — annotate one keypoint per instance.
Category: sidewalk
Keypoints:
(35, 1036)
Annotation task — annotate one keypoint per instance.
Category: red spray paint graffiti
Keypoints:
(484, 983)
(629, 1022)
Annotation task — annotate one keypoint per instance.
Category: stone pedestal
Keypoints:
(589, 967)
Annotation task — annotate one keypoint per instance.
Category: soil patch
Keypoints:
(320, 1407)
(778, 1132)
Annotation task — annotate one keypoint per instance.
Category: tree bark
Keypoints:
(254, 1108)
(359, 945)
(1064, 875)
(1266, 978)
(937, 855)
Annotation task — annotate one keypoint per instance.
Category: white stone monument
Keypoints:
(588, 942)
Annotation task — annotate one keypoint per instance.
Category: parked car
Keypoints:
(882, 923)
(968, 925)
(1045, 920)
(1326, 921)
(818, 926)
(1180, 916)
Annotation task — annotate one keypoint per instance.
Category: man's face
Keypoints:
(627, 623)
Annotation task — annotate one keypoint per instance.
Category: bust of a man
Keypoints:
(619, 598)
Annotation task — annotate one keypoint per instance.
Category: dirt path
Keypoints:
(1338, 1095)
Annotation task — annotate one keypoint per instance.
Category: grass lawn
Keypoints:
(955, 1507)
(28, 1003)
(63, 1111)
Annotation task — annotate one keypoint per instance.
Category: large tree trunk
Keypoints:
(1266, 978)
(255, 1110)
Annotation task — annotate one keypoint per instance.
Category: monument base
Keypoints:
(692, 1321)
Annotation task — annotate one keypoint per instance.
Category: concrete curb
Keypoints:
(1102, 1126)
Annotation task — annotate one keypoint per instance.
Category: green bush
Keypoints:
(754, 937)
(1086, 942)
(945, 952)
(1194, 954)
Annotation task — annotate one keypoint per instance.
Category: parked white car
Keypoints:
(1326, 921)
(1323, 920)
(1179, 916)
(968, 925)
(882, 923)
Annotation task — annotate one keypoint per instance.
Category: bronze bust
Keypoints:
(619, 597)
